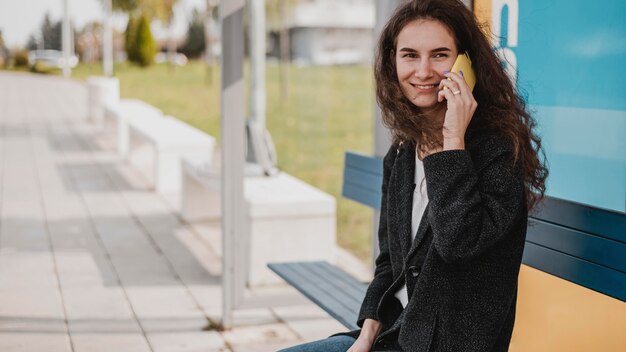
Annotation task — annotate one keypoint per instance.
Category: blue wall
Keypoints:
(571, 65)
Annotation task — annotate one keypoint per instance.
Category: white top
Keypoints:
(420, 200)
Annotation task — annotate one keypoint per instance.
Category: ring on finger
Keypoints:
(456, 92)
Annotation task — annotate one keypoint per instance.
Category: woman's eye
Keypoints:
(411, 56)
(439, 56)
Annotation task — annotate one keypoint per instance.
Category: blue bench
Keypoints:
(575, 252)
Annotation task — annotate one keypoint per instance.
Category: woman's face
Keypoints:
(424, 50)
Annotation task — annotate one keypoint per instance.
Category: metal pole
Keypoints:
(382, 140)
(66, 39)
(232, 139)
(208, 41)
(284, 51)
(107, 41)
(257, 62)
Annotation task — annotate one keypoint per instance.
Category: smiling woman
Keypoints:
(458, 182)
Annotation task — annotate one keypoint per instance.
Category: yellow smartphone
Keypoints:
(464, 63)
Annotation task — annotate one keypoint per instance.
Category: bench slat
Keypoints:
(347, 286)
(321, 280)
(342, 275)
(596, 277)
(327, 286)
(592, 248)
(364, 162)
(371, 199)
(316, 292)
(362, 179)
(601, 222)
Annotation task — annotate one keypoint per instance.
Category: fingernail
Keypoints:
(461, 73)
(445, 72)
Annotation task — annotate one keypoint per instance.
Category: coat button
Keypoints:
(414, 271)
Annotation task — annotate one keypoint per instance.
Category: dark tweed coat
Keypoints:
(461, 271)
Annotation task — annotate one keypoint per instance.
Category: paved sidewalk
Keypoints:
(92, 260)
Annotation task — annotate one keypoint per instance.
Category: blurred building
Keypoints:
(328, 32)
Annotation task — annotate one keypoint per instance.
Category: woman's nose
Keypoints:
(423, 69)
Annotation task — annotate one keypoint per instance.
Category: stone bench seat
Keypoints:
(118, 115)
(286, 218)
(157, 147)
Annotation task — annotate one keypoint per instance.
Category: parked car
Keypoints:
(51, 58)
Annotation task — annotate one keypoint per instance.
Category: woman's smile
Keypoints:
(425, 88)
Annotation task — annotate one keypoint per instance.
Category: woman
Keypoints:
(458, 182)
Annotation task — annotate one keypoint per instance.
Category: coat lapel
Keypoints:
(401, 190)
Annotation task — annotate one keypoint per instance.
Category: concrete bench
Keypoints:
(101, 91)
(286, 219)
(572, 284)
(157, 147)
(117, 117)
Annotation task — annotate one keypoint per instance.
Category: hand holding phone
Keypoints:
(460, 110)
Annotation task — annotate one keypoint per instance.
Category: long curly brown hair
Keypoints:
(500, 109)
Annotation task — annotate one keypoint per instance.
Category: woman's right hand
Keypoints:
(370, 330)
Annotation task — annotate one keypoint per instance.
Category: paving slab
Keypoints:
(96, 302)
(309, 322)
(259, 338)
(102, 326)
(34, 342)
(19, 270)
(118, 342)
(31, 303)
(204, 341)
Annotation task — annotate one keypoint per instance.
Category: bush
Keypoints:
(20, 58)
(130, 36)
(40, 67)
(195, 41)
(144, 43)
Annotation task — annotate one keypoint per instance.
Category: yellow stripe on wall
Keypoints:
(482, 11)
(557, 315)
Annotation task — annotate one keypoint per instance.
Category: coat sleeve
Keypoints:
(383, 276)
(473, 206)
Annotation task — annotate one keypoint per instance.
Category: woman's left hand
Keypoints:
(461, 108)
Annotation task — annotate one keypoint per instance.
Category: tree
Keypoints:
(50, 33)
(144, 43)
(163, 10)
(195, 41)
(210, 16)
(4, 53)
(277, 17)
(130, 38)
(124, 5)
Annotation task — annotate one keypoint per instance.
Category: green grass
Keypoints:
(328, 110)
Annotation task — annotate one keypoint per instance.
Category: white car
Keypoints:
(51, 58)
